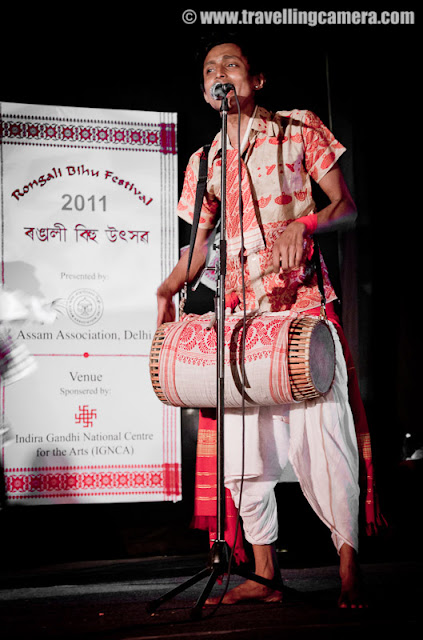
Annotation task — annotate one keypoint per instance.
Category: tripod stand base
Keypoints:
(218, 566)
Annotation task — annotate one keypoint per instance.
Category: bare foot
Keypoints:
(351, 596)
(266, 566)
(248, 590)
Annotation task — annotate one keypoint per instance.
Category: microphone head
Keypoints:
(219, 90)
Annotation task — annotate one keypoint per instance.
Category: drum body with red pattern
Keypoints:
(288, 358)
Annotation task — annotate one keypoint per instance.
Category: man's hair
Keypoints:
(249, 51)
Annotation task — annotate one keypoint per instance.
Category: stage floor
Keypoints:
(108, 601)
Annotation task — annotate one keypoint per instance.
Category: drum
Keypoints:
(288, 358)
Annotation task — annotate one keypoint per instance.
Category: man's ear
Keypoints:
(259, 82)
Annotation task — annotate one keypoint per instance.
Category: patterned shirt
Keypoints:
(284, 151)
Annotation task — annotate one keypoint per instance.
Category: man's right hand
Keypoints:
(175, 281)
(165, 306)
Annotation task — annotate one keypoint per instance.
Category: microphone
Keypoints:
(220, 91)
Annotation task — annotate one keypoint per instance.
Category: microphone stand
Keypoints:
(220, 550)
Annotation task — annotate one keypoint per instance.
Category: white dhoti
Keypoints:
(317, 440)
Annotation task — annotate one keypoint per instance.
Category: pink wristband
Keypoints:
(310, 222)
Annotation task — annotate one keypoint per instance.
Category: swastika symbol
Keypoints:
(85, 416)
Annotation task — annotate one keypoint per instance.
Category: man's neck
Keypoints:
(232, 125)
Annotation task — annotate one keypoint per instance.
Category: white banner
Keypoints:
(88, 218)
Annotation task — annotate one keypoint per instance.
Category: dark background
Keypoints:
(361, 80)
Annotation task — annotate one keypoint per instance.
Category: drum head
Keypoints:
(322, 357)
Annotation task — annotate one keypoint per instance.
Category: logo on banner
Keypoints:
(84, 307)
(86, 416)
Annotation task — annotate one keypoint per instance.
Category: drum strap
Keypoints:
(318, 269)
(201, 187)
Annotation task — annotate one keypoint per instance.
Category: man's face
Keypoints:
(226, 63)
